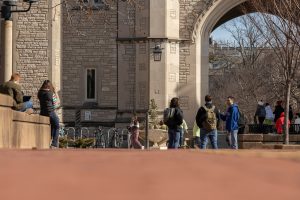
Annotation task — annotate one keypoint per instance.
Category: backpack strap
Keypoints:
(207, 109)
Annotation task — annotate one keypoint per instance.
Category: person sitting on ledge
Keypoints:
(13, 89)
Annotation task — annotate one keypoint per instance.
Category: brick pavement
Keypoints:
(135, 175)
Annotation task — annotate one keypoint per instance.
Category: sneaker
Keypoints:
(29, 111)
(143, 148)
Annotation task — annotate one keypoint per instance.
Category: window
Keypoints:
(91, 84)
(93, 3)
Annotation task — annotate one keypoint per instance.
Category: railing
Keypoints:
(99, 137)
(265, 129)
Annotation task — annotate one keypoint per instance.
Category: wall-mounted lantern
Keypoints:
(157, 51)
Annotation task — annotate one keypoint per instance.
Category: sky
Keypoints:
(221, 34)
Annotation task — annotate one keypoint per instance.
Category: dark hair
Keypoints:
(174, 102)
(208, 98)
(47, 85)
(267, 104)
(279, 103)
(230, 97)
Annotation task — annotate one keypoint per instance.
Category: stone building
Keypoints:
(100, 57)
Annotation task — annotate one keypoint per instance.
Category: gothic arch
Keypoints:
(209, 18)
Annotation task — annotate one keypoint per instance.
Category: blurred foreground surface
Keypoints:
(149, 175)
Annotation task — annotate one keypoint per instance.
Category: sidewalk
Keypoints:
(149, 175)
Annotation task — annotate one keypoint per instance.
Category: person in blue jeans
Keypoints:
(173, 119)
(232, 118)
(207, 120)
(45, 96)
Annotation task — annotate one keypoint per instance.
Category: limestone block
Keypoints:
(5, 101)
(268, 146)
(287, 147)
(294, 138)
(5, 125)
(272, 138)
(250, 145)
(250, 138)
(23, 117)
(28, 135)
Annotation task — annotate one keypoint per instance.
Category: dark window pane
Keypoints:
(91, 83)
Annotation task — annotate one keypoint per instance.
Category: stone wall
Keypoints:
(31, 46)
(89, 41)
(266, 141)
(190, 10)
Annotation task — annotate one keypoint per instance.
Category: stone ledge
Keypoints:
(250, 145)
(268, 146)
(272, 138)
(250, 138)
(6, 101)
(295, 138)
(287, 147)
(33, 118)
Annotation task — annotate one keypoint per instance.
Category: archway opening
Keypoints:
(256, 69)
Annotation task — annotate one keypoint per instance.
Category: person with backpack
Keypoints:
(173, 118)
(207, 120)
(260, 113)
(232, 117)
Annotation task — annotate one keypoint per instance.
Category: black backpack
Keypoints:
(242, 120)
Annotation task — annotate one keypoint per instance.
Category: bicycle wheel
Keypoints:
(102, 141)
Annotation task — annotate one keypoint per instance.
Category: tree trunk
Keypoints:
(287, 109)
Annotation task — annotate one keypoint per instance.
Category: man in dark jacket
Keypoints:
(174, 121)
(260, 113)
(13, 89)
(207, 120)
(232, 118)
(278, 110)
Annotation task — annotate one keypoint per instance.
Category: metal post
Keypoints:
(147, 130)
(7, 49)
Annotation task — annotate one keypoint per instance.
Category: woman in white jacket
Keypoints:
(269, 115)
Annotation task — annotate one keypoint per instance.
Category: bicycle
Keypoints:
(116, 138)
(99, 140)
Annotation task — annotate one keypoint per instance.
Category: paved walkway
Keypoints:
(149, 175)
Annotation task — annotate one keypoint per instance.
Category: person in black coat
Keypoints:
(291, 114)
(174, 123)
(45, 96)
(278, 110)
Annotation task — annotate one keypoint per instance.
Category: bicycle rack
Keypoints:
(127, 132)
(74, 132)
(84, 129)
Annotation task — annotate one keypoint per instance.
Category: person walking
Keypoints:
(297, 123)
(196, 135)
(173, 118)
(232, 117)
(268, 123)
(207, 120)
(280, 123)
(45, 96)
(269, 115)
(184, 130)
(291, 114)
(134, 130)
(278, 110)
(260, 113)
(13, 89)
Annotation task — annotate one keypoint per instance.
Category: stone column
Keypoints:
(54, 48)
(7, 50)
